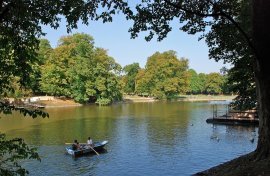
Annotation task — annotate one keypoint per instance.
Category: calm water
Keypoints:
(161, 138)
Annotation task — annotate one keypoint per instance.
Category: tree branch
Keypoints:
(221, 13)
(180, 7)
(245, 35)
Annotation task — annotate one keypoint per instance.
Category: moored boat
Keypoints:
(98, 146)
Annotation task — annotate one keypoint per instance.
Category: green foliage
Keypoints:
(201, 82)
(141, 86)
(78, 70)
(15, 90)
(11, 152)
(131, 72)
(229, 38)
(8, 108)
(44, 53)
(20, 26)
(103, 101)
(214, 83)
(21, 23)
(230, 45)
(245, 90)
(164, 76)
(226, 87)
(195, 82)
(14, 150)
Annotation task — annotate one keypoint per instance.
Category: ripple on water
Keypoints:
(144, 139)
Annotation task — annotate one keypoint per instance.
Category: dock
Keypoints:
(233, 121)
(34, 105)
(234, 117)
(30, 105)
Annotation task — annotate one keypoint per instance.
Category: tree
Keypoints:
(245, 90)
(164, 76)
(195, 87)
(76, 69)
(195, 16)
(131, 73)
(43, 54)
(54, 75)
(213, 83)
(141, 83)
(107, 78)
(15, 90)
(202, 79)
(226, 87)
(20, 24)
(233, 48)
(20, 28)
(260, 38)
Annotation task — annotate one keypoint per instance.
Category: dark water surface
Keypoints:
(160, 138)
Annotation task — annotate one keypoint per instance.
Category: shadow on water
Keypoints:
(234, 133)
(157, 138)
(92, 154)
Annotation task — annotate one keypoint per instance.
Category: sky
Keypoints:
(115, 38)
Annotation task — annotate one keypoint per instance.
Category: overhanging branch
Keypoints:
(180, 7)
(220, 13)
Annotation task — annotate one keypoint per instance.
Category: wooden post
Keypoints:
(213, 110)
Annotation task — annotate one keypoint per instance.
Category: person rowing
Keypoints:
(90, 142)
(90, 145)
(76, 145)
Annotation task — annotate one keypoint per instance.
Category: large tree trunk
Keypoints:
(261, 39)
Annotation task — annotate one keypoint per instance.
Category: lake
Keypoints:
(157, 138)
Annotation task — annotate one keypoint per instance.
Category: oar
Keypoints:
(72, 143)
(94, 150)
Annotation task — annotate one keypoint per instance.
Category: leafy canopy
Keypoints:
(78, 70)
(10, 152)
(21, 20)
(164, 76)
(20, 26)
(225, 26)
(130, 74)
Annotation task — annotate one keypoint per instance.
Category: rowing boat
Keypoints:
(98, 146)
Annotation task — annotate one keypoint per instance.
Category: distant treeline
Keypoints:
(166, 76)
(79, 70)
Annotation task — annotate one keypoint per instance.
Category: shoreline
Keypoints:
(246, 164)
(51, 102)
(59, 103)
(188, 98)
(137, 99)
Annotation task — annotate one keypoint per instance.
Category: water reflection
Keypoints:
(170, 138)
